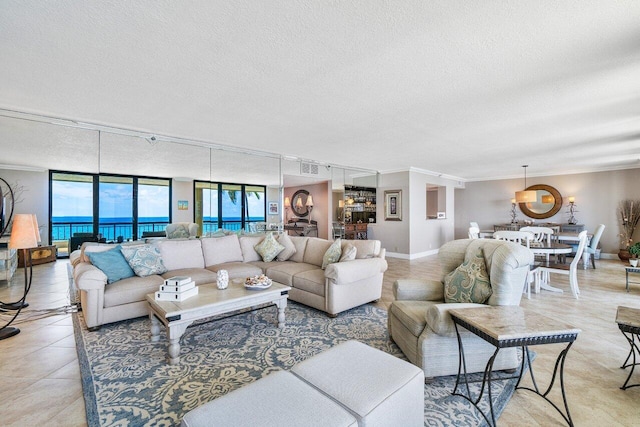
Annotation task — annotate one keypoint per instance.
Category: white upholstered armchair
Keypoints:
(419, 322)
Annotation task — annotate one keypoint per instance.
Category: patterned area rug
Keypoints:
(127, 382)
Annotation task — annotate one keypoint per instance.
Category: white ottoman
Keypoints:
(377, 388)
(279, 399)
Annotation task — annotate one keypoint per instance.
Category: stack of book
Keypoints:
(177, 288)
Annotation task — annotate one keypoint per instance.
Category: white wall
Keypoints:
(182, 190)
(596, 196)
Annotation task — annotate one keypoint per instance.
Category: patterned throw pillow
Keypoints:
(332, 254)
(289, 247)
(145, 260)
(269, 248)
(112, 263)
(349, 253)
(469, 282)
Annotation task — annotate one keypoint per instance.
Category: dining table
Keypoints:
(547, 249)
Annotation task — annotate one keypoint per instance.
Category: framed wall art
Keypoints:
(393, 205)
(273, 208)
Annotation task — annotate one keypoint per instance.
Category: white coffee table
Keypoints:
(210, 301)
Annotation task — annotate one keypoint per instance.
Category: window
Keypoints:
(109, 207)
(228, 206)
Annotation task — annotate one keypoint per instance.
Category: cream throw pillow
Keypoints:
(289, 247)
(348, 253)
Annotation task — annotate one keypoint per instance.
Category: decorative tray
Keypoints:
(257, 282)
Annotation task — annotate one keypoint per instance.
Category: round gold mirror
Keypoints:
(548, 202)
(299, 203)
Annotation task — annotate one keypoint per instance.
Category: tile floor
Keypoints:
(40, 379)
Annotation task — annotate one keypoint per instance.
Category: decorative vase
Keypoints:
(624, 255)
(223, 279)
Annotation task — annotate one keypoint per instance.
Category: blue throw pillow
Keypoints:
(112, 263)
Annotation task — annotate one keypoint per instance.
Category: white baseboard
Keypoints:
(412, 256)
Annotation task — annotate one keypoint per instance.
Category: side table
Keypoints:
(510, 326)
(628, 270)
(628, 320)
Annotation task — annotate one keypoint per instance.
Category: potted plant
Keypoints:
(634, 251)
(629, 211)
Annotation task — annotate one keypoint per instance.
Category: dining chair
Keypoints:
(474, 233)
(338, 230)
(568, 269)
(524, 238)
(590, 251)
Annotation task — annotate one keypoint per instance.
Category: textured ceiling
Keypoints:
(469, 89)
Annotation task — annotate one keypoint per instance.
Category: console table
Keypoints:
(511, 326)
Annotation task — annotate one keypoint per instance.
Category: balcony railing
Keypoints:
(108, 231)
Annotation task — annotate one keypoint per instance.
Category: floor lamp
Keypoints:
(24, 235)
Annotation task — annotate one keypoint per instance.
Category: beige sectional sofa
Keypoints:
(341, 286)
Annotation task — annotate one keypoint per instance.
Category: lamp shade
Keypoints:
(548, 198)
(24, 233)
(298, 202)
(340, 203)
(526, 196)
(287, 202)
(309, 201)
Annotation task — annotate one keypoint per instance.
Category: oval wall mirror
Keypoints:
(548, 202)
(299, 203)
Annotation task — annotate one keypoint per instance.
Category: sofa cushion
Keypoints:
(300, 242)
(181, 253)
(112, 263)
(440, 321)
(236, 269)
(332, 254)
(131, 289)
(310, 281)
(145, 260)
(315, 250)
(269, 248)
(283, 272)
(348, 253)
(247, 247)
(218, 250)
(469, 282)
(289, 247)
(198, 275)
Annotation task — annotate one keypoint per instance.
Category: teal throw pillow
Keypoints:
(469, 282)
(145, 260)
(269, 248)
(112, 263)
(332, 254)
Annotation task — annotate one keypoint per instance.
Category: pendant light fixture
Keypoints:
(526, 196)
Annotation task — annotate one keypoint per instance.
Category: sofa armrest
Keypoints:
(88, 277)
(418, 290)
(351, 271)
(440, 321)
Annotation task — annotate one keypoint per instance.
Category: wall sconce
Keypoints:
(287, 206)
(309, 205)
(513, 211)
(572, 210)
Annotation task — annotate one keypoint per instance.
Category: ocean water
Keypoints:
(64, 227)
